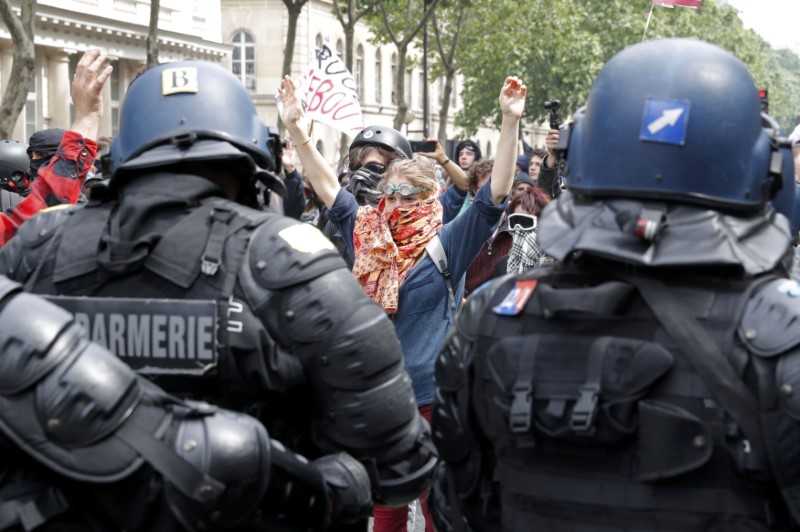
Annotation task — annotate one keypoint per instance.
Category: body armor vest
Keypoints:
(177, 315)
(598, 420)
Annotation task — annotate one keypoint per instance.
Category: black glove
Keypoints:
(349, 485)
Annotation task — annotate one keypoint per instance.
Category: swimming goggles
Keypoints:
(405, 190)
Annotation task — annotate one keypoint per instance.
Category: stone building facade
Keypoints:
(246, 36)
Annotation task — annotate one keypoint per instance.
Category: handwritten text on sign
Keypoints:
(330, 93)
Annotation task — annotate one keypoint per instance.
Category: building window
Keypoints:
(360, 71)
(113, 83)
(394, 78)
(243, 63)
(340, 49)
(409, 75)
(73, 66)
(317, 45)
(321, 148)
(421, 92)
(489, 149)
(378, 77)
(30, 109)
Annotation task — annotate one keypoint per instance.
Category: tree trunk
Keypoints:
(400, 88)
(349, 37)
(294, 8)
(444, 111)
(23, 67)
(152, 34)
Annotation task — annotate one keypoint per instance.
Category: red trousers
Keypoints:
(395, 519)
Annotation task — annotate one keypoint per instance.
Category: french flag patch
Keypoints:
(516, 299)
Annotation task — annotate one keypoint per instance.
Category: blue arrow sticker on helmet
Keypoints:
(665, 121)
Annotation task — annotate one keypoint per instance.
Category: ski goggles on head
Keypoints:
(519, 220)
(375, 168)
(405, 190)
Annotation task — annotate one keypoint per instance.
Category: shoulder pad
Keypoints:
(62, 397)
(769, 323)
(40, 228)
(284, 252)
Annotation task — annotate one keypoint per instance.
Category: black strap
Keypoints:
(180, 473)
(585, 407)
(436, 252)
(212, 256)
(519, 419)
(704, 355)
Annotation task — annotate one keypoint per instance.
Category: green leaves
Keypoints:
(558, 46)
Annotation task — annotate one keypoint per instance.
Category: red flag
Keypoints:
(681, 3)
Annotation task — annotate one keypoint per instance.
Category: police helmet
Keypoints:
(13, 158)
(192, 111)
(14, 167)
(387, 137)
(673, 119)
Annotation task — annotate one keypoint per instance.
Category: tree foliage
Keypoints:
(399, 22)
(557, 47)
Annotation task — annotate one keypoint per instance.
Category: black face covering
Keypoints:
(45, 142)
(36, 164)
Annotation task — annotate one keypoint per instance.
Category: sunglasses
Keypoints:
(375, 168)
(404, 190)
(526, 222)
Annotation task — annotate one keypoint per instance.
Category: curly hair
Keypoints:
(475, 172)
(532, 200)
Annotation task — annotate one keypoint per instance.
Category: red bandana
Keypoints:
(386, 247)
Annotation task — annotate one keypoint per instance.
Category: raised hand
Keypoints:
(512, 97)
(292, 105)
(87, 85)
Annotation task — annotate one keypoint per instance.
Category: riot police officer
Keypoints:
(649, 382)
(89, 445)
(219, 302)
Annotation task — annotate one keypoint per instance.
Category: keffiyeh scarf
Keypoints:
(388, 246)
(525, 252)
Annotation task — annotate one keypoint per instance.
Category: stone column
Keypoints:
(60, 87)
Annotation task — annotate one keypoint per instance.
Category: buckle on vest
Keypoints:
(520, 418)
(209, 267)
(585, 408)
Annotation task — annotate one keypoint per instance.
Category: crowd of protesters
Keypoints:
(417, 245)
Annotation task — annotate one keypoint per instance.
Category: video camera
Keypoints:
(555, 117)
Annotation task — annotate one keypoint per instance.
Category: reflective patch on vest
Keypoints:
(152, 336)
(305, 238)
(516, 299)
(177, 80)
(789, 288)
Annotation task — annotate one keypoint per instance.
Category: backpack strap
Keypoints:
(705, 356)
(435, 251)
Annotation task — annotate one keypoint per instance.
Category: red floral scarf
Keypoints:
(386, 247)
